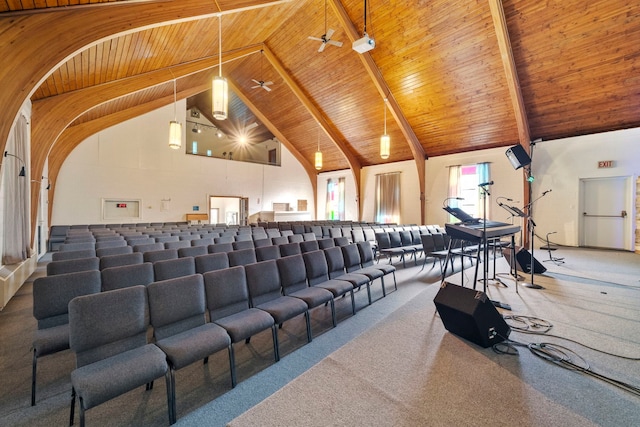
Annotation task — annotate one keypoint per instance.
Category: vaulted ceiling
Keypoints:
(459, 75)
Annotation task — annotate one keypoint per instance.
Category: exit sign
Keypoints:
(605, 164)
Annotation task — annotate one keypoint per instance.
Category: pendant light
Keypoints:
(318, 159)
(175, 127)
(385, 140)
(219, 87)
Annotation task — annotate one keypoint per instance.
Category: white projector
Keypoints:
(364, 44)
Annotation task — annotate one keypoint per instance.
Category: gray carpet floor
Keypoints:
(391, 364)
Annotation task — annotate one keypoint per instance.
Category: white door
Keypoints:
(606, 222)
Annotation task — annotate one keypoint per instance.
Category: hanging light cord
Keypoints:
(220, 44)
(385, 116)
(175, 101)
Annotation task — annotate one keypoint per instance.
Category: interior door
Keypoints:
(606, 222)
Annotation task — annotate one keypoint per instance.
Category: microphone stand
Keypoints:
(532, 226)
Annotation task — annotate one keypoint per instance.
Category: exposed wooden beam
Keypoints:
(306, 164)
(381, 85)
(504, 43)
(326, 127)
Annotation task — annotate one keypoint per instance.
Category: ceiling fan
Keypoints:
(326, 37)
(261, 83)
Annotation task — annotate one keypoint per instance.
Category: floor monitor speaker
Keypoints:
(470, 314)
(523, 261)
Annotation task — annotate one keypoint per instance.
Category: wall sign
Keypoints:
(605, 164)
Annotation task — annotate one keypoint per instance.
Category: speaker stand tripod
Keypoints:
(548, 248)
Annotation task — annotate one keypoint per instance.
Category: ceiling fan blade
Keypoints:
(267, 88)
(267, 83)
(255, 81)
(329, 33)
(339, 44)
(315, 38)
(322, 46)
(253, 87)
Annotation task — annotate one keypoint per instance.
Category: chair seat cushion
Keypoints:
(386, 268)
(245, 323)
(108, 378)
(51, 340)
(313, 296)
(356, 280)
(284, 308)
(337, 287)
(371, 272)
(194, 344)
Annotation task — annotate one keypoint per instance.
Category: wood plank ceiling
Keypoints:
(577, 64)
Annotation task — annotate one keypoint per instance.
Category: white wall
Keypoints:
(132, 160)
(560, 164)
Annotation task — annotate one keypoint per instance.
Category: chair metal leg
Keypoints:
(369, 292)
(276, 350)
(33, 378)
(384, 291)
(81, 411)
(333, 313)
(353, 303)
(232, 365)
(73, 406)
(308, 319)
(170, 380)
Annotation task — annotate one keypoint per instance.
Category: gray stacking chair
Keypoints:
(101, 244)
(77, 246)
(286, 232)
(242, 257)
(172, 268)
(243, 237)
(51, 296)
(228, 305)
(224, 239)
(326, 243)
(317, 270)
(265, 293)
(205, 241)
(341, 241)
(293, 279)
(119, 250)
(367, 257)
(262, 242)
(335, 264)
(124, 259)
(243, 244)
(308, 236)
(308, 246)
(388, 247)
(264, 253)
(352, 264)
(108, 334)
(57, 234)
(177, 310)
(192, 251)
(280, 240)
(430, 251)
(148, 247)
(154, 256)
(72, 265)
(220, 247)
(177, 244)
(126, 276)
(295, 238)
(211, 262)
(65, 255)
(290, 248)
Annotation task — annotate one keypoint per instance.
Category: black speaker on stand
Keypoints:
(470, 314)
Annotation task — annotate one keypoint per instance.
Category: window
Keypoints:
(463, 182)
(387, 207)
(335, 199)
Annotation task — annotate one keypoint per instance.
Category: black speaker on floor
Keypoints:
(470, 314)
(523, 261)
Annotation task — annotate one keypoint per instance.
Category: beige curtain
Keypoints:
(16, 207)
(387, 204)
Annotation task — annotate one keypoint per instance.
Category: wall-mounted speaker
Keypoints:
(470, 314)
(518, 156)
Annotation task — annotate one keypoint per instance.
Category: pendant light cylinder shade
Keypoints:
(385, 146)
(219, 98)
(175, 134)
(318, 162)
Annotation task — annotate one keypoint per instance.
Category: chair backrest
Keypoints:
(307, 237)
(258, 243)
(124, 259)
(263, 282)
(220, 247)
(271, 233)
(260, 235)
(297, 228)
(119, 250)
(428, 244)
(139, 240)
(177, 244)
(357, 235)
(176, 305)
(192, 251)
(317, 230)
(243, 237)
(126, 276)
(165, 238)
(295, 238)
(335, 261)
(335, 232)
(395, 239)
(242, 257)
(205, 241)
(351, 257)
(148, 247)
(290, 249)
(341, 241)
(154, 256)
(64, 255)
(366, 253)
(280, 240)
(79, 246)
(369, 234)
(108, 323)
(286, 232)
(267, 252)
(172, 268)
(309, 245)
(415, 237)
(51, 295)
(406, 239)
(224, 239)
(226, 292)
(438, 241)
(211, 262)
(316, 267)
(242, 244)
(72, 265)
(293, 274)
(326, 243)
(101, 244)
